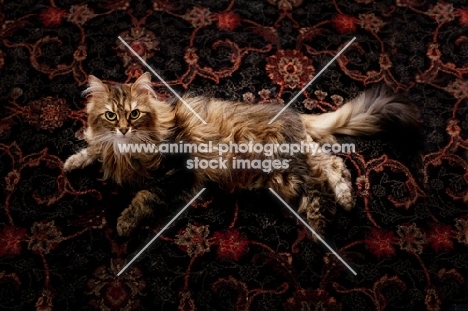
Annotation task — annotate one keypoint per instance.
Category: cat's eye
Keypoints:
(111, 116)
(134, 114)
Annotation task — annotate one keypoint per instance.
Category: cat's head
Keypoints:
(127, 113)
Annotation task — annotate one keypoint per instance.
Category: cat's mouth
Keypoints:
(130, 137)
(124, 134)
(127, 138)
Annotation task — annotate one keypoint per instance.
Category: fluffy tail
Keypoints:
(376, 111)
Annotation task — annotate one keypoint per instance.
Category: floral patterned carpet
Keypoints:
(407, 237)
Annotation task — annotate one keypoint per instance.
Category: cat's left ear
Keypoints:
(95, 88)
(142, 86)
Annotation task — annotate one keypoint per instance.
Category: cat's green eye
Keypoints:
(111, 116)
(134, 114)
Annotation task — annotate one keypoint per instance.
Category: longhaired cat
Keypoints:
(132, 113)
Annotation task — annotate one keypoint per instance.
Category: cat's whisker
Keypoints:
(104, 136)
(144, 139)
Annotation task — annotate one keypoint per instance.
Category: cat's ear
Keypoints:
(142, 86)
(95, 88)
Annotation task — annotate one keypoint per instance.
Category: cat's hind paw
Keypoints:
(339, 179)
(316, 219)
(344, 194)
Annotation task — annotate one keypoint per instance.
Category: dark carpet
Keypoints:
(407, 237)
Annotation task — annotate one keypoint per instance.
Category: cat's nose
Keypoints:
(123, 130)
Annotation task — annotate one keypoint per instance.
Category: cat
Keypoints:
(314, 183)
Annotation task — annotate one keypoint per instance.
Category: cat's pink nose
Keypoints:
(123, 130)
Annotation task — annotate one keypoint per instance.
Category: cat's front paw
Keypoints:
(76, 161)
(132, 215)
(126, 223)
(72, 163)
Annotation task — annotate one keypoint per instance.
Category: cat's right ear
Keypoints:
(95, 88)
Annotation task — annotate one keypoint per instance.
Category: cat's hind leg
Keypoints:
(338, 175)
(339, 178)
(317, 211)
(306, 187)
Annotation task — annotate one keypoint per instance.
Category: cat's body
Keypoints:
(312, 182)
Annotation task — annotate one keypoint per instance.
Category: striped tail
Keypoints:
(376, 111)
